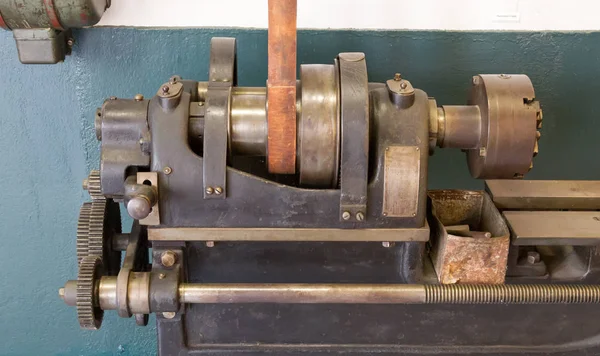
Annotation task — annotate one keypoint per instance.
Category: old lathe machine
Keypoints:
(295, 218)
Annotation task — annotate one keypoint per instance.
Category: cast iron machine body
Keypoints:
(235, 232)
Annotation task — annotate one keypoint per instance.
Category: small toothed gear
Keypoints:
(99, 221)
(89, 312)
(94, 187)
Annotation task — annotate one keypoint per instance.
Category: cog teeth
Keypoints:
(90, 272)
(83, 226)
(94, 186)
(96, 228)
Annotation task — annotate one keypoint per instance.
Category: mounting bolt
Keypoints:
(403, 85)
(533, 257)
(169, 315)
(167, 170)
(210, 244)
(162, 276)
(218, 190)
(360, 216)
(397, 77)
(168, 258)
(165, 89)
(138, 97)
(346, 215)
(386, 244)
(209, 190)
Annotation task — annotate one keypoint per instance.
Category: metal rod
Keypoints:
(390, 294)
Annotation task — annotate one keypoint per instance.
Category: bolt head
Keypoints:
(167, 170)
(533, 257)
(476, 80)
(138, 97)
(360, 216)
(397, 77)
(169, 315)
(165, 89)
(70, 42)
(168, 258)
(113, 98)
(403, 85)
(61, 293)
(386, 244)
(209, 190)
(210, 244)
(218, 190)
(482, 152)
(162, 276)
(139, 208)
(85, 183)
(346, 215)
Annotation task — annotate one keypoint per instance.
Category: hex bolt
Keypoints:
(138, 97)
(346, 215)
(168, 258)
(533, 257)
(167, 170)
(209, 190)
(169, 315)
(218, 190)
(397, 77)
(210, 244)
(360, 216)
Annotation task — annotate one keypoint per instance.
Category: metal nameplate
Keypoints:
(401, 181)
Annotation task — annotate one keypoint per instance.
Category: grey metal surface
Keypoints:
(124, 131)
(545, 194)
(42, 45)
(354, 151)
(573, 228)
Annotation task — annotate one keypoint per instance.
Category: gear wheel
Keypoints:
(89, 312)
(94, 187)
(83, 226)
(99, 221)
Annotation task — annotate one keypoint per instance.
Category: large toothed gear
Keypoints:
(94, 187)
(99, 221)
(83, 228)
(89, 312)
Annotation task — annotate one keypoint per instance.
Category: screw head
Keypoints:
(70, 42)
(162, 276)
(218, 190)
(113, 98)
(403, 85)
(210, 244)
(169, 315)
(346, 215)
(476, 80)
(482, 152)
(165, 89)
(533, 257)
(61, 293)
(397, 77)
(168, 258)
(138, 97)
(360, 216)
(167, 170)
(209, 190)
(386, 244)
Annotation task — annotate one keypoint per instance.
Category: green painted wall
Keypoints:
(47, 143)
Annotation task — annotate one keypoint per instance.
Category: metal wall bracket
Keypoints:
(42, 45)
(154, 217)
(222, 76)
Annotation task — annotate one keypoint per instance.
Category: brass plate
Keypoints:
(401, 181)
(277, 234)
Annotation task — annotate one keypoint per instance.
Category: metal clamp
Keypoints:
(222, 76)
(354, 163)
